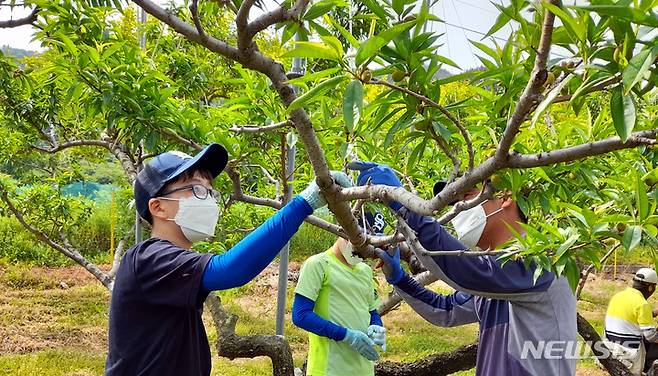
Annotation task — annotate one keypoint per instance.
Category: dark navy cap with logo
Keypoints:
(375, 223)
(166, 167)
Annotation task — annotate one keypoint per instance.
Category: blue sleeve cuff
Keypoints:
(304, 317)
(303, 204)
(375, 318)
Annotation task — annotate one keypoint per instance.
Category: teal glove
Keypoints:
(361, 343)
(377, 334)
(312, 193)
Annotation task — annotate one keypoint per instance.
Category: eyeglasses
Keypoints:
(199, 191)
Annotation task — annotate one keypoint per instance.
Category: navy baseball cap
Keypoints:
(375, 223)
(168, 166)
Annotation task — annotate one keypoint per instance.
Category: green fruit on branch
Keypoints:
(366, 75)
(616, 54)
(550, 78)
(399, 75)
(424, 125)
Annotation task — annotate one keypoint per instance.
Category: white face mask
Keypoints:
(469, 225)
(348, 253)
(197, 218)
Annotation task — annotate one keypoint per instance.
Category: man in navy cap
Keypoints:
(155, 323)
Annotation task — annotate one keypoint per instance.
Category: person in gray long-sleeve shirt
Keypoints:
(527, 327)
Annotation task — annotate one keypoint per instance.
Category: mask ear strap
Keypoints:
(494, 212)
(167, 198)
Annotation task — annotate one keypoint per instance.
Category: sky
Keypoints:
(464, 20)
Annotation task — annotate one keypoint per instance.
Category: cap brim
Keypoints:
(438, 187)
(213, 158)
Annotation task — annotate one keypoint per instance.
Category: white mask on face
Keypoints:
(197, 218)
(348, 252)
(469, 225)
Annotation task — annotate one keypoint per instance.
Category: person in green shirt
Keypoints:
(336, 302)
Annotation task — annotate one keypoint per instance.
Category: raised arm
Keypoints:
(250, 256)
(455, 309)
(479, 275)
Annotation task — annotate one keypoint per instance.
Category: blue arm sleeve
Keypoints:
(375, 318)
(480, 275)
(304, 317)
(250, 256)
(455, 309)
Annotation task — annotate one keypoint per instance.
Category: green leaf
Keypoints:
(550, 97)
(334, 43)
(346, 34)
(626, 12)
(68, 43)
(322, 7)
(352, 104)
(502, 20)
(313, 50)
(114, 47)
(487, 50)
(368, 49)
(632, 237)
(377, 9)
(314, 76)
(637, 67)
(566, 245)
(316, 92)
(572, 272)
(641, 198)
(622, 110)
(569, 21)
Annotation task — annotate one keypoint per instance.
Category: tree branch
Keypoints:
(238, 195)
(194, 9)
(187, 30)
(273, 17)
(586, 272)
(423, 279)
(485, 194)
(28, 20)
(533, 88)
(178, 138)
(70, 144)
(603, 85)
(573, 153)
(260, 129)
(118, 253)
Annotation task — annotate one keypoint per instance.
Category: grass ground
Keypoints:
(49, 330)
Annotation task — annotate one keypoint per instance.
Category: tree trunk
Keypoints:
(232, 346)
(434, 365)
(589, 334)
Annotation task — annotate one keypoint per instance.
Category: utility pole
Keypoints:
(291, 151)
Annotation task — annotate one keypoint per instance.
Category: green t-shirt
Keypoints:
(344, 296)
